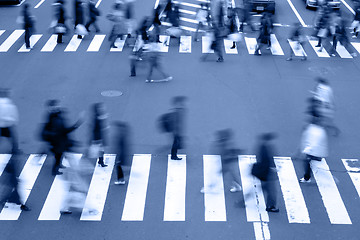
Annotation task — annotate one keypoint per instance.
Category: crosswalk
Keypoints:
(177, 181)
(9, 41)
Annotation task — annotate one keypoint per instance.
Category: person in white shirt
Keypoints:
(9, 118)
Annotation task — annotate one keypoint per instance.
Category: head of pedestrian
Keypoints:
(224, 135)
(268, 136)
(4, 93)
(26, 6)
(322, 80)
(98, 109)
(179, 101)
(53, 105)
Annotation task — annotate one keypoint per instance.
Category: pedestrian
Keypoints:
(322, 26)
(244, 15)
(11, 181)
(9, 118)
(201, 18)
(265, 31)
(28, 23)
(60, 28)
(220, 14)
(79, 17)
(133, 59)
(314, 146)
(118, 29)
(178, 118)
(355, 25)
(99, 129)
(93, 14)
(298, 37)
(340, 35)
(142, 39)
(233, 28)
(123, 150)
(129, 16)
(216, 43)
(154, 63)
(266, 165)
(157, 23)
(168, 9)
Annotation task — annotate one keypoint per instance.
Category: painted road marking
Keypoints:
(174, 209)
(50, 44)
(214, 196)
(275, 46)
(297, 49)
(185, 44)
(187, 11)
(189, 20)
(33, 40)
(73, 44)
(296, 13)
(99, 185)
(4, 159)
(251, 45)
(341, 50)
(119, 43)
(356, 45)
(353, 168)
(329, 192)
(38, 5)
(188, 4)
(134, 205)
(165, 42)
(228, 44)
(262, 231)
(323, 53)
(14, 36)
(296, 209)
(57, 194)
(182, 27)
(206, 43)
(98, 3)
(27, 180)
(1, 32)
(96, 43)
(348, 7)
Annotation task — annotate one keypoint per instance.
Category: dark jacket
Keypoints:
(79, 18)
(98, 130)
(178, 121)
(265, 157)
(61, 14)
(93, 11)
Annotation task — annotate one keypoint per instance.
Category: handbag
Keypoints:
(259, 171)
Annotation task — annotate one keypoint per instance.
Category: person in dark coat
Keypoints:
(265, 158)
(79, 15)
(28, 24)
(157, 23)
(93, 13)
(123, 150)
(61, 19)
(178, 125)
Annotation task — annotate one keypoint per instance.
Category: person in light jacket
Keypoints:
(314, 144)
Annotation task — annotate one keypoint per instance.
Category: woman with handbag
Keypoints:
(28, 24)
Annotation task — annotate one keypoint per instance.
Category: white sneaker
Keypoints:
(169, 78)
(234, 189)
(119, 182)
(302, 180)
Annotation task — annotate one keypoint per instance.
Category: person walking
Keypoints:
(216, 44)
(9, 118)
(178, 116)
(298, 37)
(201, 17)
(93, 14)
(79, 17)
(129, 16)
(29, 22)
(355, 25)
(117, 17)
(157, 23)
(265, 31)
(123, 150)
(99, 131)
(60, 28)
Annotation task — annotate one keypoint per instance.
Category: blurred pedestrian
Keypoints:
(9, 119)
(216, 43)
(157, 23)
(244, 15)
(133, 59)
(60, 28)
(178, 118)
(233, 28)
(298, 37)
(93, 14)
(28, 23)
(123, 150)
(168, 9)
(201, 17)
(314, 145)
(99, 129)
(129, 16)
(220, 14)
(322, 26)
(355, 25)
(119, 29)
(265, 32)
(79, 18)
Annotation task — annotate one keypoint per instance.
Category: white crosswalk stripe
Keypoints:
(356, 45)
(251, 45)
(341, 50)
(206, 43)
(323, 53)
(228, 44)
(14, 36)
(185, 44)
(96, 43)
(275, 46)
(119, 43)
(297, 49)
(353, 168)
(50, 44)
(1, 32)
(4, 159)
(33, 40)
(73, 44)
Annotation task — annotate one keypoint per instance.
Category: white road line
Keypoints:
(348, 7)
(96, 43)
(204, 1)
(120, 45)
(297, 49)
(228, 44)
(98, 3)
(139, 42)
(14, 36)
(73, 44)
(185, 44)
(189, 20)
(134, 205)
(188, 4)
(296, 13)
(4, 159)
(356, 45)
(330, 194)
(182, 27)
(214, 196)
(174, 209)
(57, 194)
(206, 43)
(156, 4)
(253, 194)
(27, 180)
(165, 42)
(275, 46)
(187, 12)
(353, 171)
(341, 50)
(323, 53)
(251, 45)
(261, 230)
(296, 209)
(33, 40)
(38, 5)
(50, 44)
(1, 32)
(99, 185)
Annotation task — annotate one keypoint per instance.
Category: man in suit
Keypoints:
(178, 125)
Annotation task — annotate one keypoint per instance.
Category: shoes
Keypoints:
(66, 212)
(79, 37)
(318, 45)
(272, 209)
(133, 75)
(25, 208)
(147, 80)
(320, 50)
(129, 35)
(289, 59)
(169, 78)
(196, 40)
(303, 58)
(267, 48)
(202, 190)
(257, 53)
(220, 59)
(233, 47)
(103, 164)
(354, 54)
(119, 182)
(235, 189)
(175, 158)
(57, 173)
(302, 180)
(333, 54)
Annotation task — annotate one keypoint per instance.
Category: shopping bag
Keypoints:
(81, 30)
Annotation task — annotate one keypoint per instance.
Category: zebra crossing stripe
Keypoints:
(228, 44)
(275, 46)
(321, 54)
(73, 44)
(27, 180)
(98, 189)
(96, 43)
(262, 231)
(165, 42)
(297, 49)
(253, 194)
(4, 159)
(187, 11)
(134, 205)
(33, 40)
(251, 45)
(174, 209)
(214, 197)
(329, 192)
(182, 27)
(57, 194)
(120, 43)
(206, 43)
(356, 45)
(189, 20)
(296, 209)
(341, 50)
(353, 171)
(14, 36)
(1, 32)
(185, 44)
(50, 44)
(188, 4)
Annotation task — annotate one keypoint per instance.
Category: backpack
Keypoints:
(166, 122)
